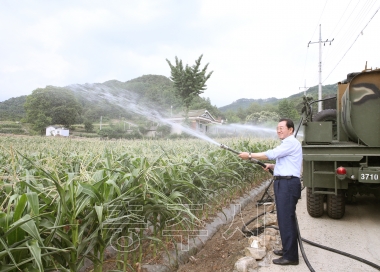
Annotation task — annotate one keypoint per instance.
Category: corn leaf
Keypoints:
(35, 250)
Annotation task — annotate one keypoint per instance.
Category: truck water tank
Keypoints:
(360, 114)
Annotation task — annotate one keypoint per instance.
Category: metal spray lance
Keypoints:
(251, 159)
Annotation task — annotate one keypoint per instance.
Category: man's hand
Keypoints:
(244, 155)
(256, 156)
(269, 166)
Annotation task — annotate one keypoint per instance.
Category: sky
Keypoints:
(256, 49)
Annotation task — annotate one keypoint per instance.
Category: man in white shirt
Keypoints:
(287, 187)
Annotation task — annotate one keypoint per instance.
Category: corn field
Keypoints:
(66, 200)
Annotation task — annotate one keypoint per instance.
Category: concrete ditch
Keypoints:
(196, 244)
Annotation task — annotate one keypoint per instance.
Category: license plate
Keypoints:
(369, 175)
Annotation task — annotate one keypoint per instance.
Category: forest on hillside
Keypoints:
(66, 106)
(150, 90)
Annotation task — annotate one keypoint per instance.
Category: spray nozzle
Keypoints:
(224, 146)
(229, 149)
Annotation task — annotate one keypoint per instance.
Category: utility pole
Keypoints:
(320, 65)
(100, 122)
(304, 88)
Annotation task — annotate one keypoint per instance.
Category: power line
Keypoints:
(361, 32)
(348, 36)
(356, 23)
(319, 19)
(344, 12)
(344, 34)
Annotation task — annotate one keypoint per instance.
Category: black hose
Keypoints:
(301, 247)
(299, 125)
(343, 253)
(262, 165)
(251, 232)
(300, 239)
(261, 230)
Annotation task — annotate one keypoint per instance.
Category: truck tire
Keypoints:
(328, 115)
(314, 203)
(336, 205)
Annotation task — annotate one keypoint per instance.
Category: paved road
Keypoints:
(357, 233)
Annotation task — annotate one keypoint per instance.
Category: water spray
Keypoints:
(251, 159)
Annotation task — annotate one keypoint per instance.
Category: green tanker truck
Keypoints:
(341, 147)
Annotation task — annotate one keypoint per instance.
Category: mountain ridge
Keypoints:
(160, 88)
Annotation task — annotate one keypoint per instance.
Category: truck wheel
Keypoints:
(328, 115)
(314, 203)
(336, 205)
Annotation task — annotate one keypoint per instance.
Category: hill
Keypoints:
(296, 99)
(154, 91)
(13, 108)
(244, 103)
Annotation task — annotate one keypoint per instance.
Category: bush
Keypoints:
(88, 126)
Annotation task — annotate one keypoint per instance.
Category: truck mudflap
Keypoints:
(369, 175)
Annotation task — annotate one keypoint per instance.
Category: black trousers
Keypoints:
(287, 192)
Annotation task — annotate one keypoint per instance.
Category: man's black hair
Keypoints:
(289, 123)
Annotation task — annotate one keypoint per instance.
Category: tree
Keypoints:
(64, 115)
(164, 130)
(41, 122)
(286, 109)
(231, 117)
(56, 105)
(241, 114)
(189, 82)
(88, 126)
(257, 107)
(12, 109)
(205, 103)
(262, 117)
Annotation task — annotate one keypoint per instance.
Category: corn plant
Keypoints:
(67, 200)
